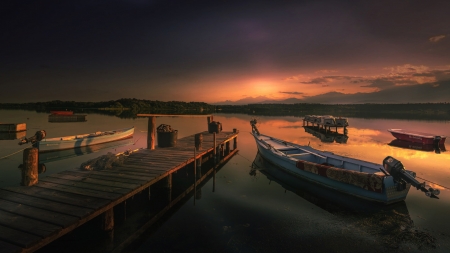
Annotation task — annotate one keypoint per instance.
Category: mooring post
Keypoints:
(235, 141)
(209, 119)
(30, 167)
(198, 141)
(214, 150)
(168, 186)
(151, 133)
(108, 220)
(227, 147)
(222, 151)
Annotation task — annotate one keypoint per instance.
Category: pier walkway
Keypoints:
(32, 217)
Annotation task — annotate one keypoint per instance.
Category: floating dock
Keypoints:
(66, 118)
(325, 121)
(13, 127)
(32, 217)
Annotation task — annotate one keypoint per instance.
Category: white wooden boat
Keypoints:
(82, 140)
(386, 183)
(327, 120)
(340, 121)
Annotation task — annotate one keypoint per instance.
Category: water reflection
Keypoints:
(393, 223)
(418, 146)
(327, 136)
(12, 135)
(47, 157)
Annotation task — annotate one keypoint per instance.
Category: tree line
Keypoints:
(129, 107)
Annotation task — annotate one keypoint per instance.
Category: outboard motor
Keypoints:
(402, 177)
(38, 136)
(436, 140)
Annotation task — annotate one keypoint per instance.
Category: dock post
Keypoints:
(227, 147)
(235, 141)
(151, 133)
(108, 220)
(209, 119)
(30, 167)
(222, 151)
(168, 187)
(215, 161)
(198, 141)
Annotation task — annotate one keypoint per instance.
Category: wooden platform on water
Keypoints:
(32, 217)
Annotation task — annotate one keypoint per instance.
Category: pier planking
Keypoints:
(32, 217)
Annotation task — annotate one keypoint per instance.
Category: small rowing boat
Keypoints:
(61, 112)
(44, 144)
(385, 183)
(418, 137)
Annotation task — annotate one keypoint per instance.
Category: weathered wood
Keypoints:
(45, 204)
(59, 196)
(84, 185)
(30, 167)
(80, 191)
(235, 142)
(108, 220)
(7, 247)
(17, 237)
(27, 225)
(50, 217)
(94, 181)
(198, 141)
(151, 133)
(104, 177)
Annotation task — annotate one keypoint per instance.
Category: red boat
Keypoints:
(61, 112)
(418, 137)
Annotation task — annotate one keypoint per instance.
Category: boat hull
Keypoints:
(387, 195)
(423, 138)
(71, 142)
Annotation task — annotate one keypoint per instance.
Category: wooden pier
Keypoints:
(32, 217)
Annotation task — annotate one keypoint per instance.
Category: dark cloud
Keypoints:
(379, 83)
(291, 92)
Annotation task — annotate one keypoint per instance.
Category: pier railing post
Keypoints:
(108, 220)
(235, 141)
(151, 133)
(30, 167)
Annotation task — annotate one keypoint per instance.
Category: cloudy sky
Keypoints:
(212, 51)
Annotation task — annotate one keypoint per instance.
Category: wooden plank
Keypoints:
(59, 196)
(155, 170)
(150, 172)
(104, 177)
(84, 185)
(117, 175)
(80, 191)
(49, 205)
(10, 248)
(59, 219)
(17, 237)
(95, 181)
(27, 225)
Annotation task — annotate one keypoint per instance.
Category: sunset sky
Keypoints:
(213, 51)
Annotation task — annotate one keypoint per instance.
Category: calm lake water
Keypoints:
(261, 211)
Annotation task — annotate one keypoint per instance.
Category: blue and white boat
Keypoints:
(82, 140)
(385, 183)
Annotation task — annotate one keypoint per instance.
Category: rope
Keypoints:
(14, 153)
(433, 183)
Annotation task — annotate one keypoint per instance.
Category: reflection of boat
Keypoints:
(386, 183)
(325, 198)
(67, 153)
(326, 136)
(417, 146)
(82, 140)
(12, 135)
(419, 137)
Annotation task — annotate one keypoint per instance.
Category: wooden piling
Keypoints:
(30, 167)
(235, 140)
(198, 141)
(108, 220)
(227, 148)
(151, 133)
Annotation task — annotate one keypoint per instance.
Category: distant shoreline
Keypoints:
(128, 108)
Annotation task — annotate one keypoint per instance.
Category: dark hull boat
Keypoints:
(417, 146)
(418, 137)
